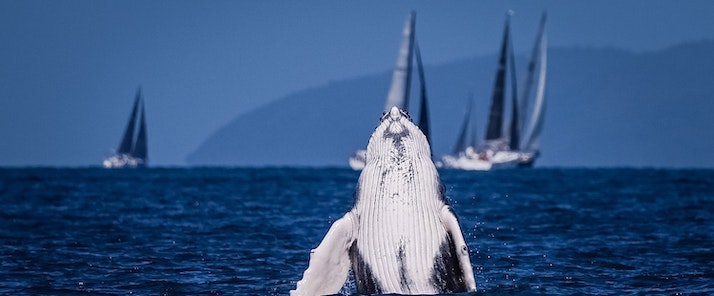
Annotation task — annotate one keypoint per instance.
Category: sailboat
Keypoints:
(132, 152)
(398, 94)
(495, 151)
(502, 147)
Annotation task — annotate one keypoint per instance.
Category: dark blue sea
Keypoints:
(220, 231)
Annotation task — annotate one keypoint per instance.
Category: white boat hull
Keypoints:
(469, 160)
(123, 161)
(357, 160)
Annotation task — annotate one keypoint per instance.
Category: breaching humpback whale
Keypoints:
(400, 236)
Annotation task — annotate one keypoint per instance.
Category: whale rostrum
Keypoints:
(400, 236)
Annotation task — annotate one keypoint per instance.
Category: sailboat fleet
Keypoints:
(509, 144)
(132, 151)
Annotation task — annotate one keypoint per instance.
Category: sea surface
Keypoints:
(236, 231)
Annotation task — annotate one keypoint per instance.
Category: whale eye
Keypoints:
(384, 115)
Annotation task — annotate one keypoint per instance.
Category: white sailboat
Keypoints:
(502, 148)
(132, 152)
(398, 94)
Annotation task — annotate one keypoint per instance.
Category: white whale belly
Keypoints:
(402, 247)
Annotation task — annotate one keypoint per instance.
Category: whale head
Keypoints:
(400, 237)
(396, 140)
(398, 165)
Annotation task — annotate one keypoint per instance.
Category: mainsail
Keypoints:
(401, 77)
(127, 142)
(494, 129)
(537, 116)
(515, 132)
(140, 146)
(523, 103)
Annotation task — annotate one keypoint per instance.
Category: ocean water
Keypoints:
(220, 231)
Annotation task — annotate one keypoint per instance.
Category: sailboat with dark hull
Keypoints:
(507, 147)
(132, 151)
(398, 94)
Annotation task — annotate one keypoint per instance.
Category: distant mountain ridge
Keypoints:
(605, 107)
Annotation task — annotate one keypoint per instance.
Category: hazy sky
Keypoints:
(69, 69)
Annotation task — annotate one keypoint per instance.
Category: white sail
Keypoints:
(398, 94)
(401, 78)
(535, 124)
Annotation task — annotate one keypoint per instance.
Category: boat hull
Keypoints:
(358, 160)
(123, 161)
(471, 161)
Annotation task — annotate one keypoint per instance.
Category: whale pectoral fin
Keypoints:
(330, 261)
(451, 224)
